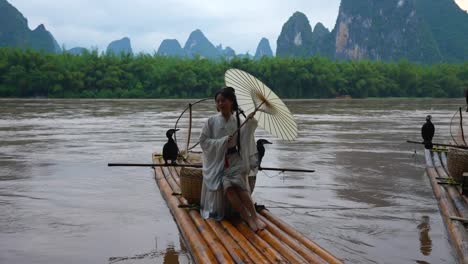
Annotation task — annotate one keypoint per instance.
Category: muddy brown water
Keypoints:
(368, 201)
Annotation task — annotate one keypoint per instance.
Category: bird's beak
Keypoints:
(268, 142)
(176, 129)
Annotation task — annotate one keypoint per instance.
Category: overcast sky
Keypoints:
(239, 24)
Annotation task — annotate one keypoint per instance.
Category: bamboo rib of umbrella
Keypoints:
(252, 93)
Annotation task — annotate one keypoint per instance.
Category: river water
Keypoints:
(368, 201)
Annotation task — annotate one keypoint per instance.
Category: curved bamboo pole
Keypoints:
(183, 112)
(306, 253)
(198, 247)
(189, 130)
(461, 126)
(327, 256)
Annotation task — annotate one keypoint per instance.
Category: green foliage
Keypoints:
(27, 73)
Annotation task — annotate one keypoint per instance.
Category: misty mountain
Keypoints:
(417, 30)
(171, 47)
(14, 31)
(295, 39)
(77, 50)
(198, 45)
(120, 46)
(263, 49)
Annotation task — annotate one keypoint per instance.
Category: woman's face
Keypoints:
(223, 104)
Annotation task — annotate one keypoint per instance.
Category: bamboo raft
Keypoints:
(232, 241)
(452, 204)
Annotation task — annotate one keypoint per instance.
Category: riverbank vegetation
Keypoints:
(27, 73)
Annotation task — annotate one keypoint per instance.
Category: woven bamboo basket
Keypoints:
(191, 180)
(457, 163)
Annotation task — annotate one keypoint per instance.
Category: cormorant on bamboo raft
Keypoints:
(170, 149)
(452, 203)
(231, 240)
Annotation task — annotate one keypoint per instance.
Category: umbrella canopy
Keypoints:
(272, 114)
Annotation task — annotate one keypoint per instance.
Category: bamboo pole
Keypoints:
(244, 243)
(175, 175)
(197, 245)
(214, 243)
(153, 165)
(286, 251)
(456, 230)
(235, 240)
(175, 188)
(234, 249)
(437, 144)
(271, 254)
(327, 256)
(454, 194)
(306, 253)
(190, 128)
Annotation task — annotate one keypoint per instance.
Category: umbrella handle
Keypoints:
(248, 117)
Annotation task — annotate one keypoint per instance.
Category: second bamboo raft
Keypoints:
(232, 241)
(452, 204)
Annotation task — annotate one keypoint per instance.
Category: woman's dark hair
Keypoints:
(230, 94)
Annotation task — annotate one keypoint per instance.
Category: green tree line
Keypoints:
(28, 73)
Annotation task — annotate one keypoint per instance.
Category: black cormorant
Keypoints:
(427, 132)
(170, 149)
(261, 150)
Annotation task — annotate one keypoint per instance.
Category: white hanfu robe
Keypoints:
(214, 143)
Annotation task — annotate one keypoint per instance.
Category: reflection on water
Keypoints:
(426, 242)
(367, 202)
(168, 256)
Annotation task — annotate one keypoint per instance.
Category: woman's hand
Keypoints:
(231, 142)
(251, 115)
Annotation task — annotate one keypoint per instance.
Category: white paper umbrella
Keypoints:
(272, 114)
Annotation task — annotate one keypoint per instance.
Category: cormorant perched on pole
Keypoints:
(170, 149)
(261, 150)
(427, 132)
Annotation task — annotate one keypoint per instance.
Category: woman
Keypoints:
(228, 158)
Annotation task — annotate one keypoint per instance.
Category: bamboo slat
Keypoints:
(454, 193)
(306, 253)
(175, 174)
(456, 229)
(271, 254)
(210, 241)
(301, 238)
(198, 247)
(167, 175)
(214, 243)
(244, 243)
(234, 249)
(444, 159)
(282, 248)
